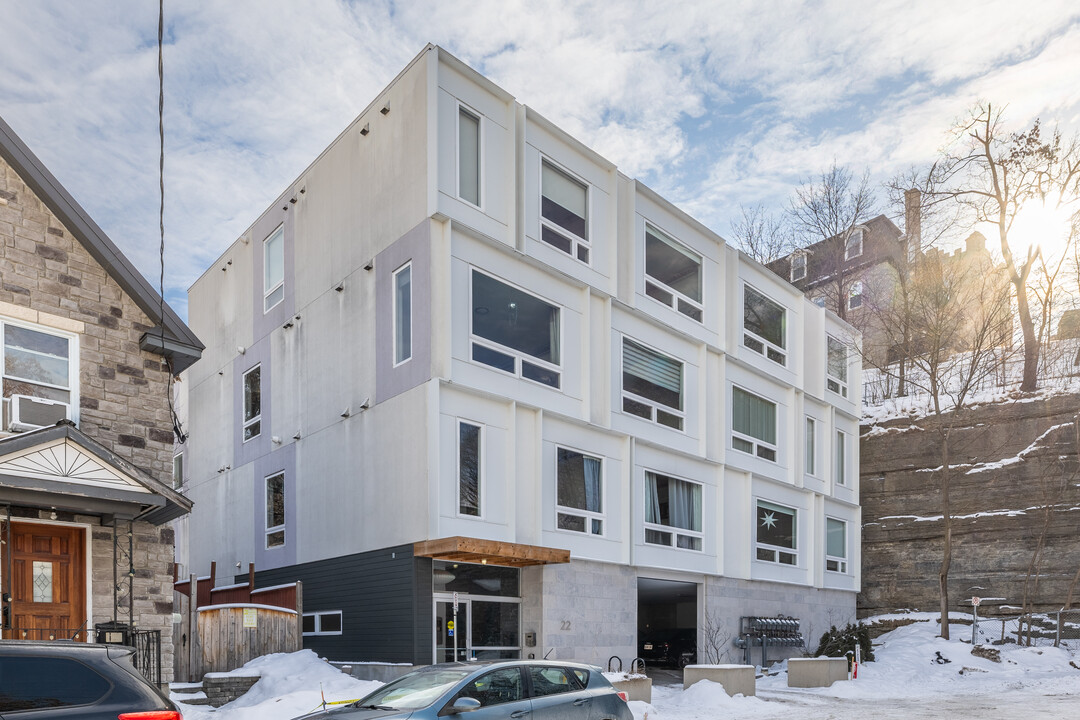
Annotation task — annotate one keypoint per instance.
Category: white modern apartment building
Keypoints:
(463, 355)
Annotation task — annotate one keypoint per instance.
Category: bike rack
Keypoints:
(637, 666)
(614, 657)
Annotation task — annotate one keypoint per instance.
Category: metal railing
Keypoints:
(1053, 629)
(147, 644)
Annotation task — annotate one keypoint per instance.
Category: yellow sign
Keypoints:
(251, 617)
(449, 624)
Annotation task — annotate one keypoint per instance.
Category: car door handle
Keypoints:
(519, 713)
(581, 701)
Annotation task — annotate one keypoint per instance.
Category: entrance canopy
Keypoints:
(489, 552)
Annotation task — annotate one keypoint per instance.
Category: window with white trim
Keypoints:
(178, 470)
(515, 331)
(765, 325)
(275, 510)
(776, 525)
(836, 366)
(468, 156)
(798, 266)
(564, 214)
(753, 424)
(470, 467)
(652, 385)
(403, 313)
(326, 622)
(855, 296)
(811, 446)
(39, 363)
(840, 465)
(252, 403)
(274, 268)
(672, 512)
(672, 273)
(835, 545)
(579, 492)
(854, 246)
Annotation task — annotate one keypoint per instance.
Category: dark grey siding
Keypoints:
(385, 600)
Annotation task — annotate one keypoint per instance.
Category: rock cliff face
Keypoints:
(1015, 485)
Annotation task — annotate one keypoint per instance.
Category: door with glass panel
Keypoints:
(48, 582)
(485, 629)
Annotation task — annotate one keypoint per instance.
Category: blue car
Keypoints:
(533, 689)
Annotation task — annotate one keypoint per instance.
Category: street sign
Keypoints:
(975, 601)
(455, 601)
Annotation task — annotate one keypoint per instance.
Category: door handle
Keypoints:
(581, 701)
(519, 713)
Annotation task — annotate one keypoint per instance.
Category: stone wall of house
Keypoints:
(47, 277)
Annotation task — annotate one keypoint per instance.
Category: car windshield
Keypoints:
(415, 690)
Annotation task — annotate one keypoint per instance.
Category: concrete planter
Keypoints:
(736, 679)
(816, 672)
(636, 688)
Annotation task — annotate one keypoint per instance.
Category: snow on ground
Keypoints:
(908, 680)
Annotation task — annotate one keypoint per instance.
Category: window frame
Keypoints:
(482, 431)
(855, 295)
(672, 530)
(178, 482)
(576, 241)
(519, 356)
(758, 443)
(396, 316)
(656, 407)
(267, 292)
(798, 259)
(840, 458)
(463, 108)
(318, 615)
(838, 385)
(72, 360)
(268, 530)
(810, 465)
(777, 550)
(858, 236)
(677, 298)
(841, 562)
(770, 350)
(246, 422)
(588, 515)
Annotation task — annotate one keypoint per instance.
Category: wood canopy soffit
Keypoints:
(489, 552)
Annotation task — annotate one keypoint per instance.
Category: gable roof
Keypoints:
(180, 345)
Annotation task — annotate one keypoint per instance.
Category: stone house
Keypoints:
(86, 442)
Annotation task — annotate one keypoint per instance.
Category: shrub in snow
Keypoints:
(837, 643)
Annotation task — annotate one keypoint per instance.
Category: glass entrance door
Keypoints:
(447, 629)
(485, 628)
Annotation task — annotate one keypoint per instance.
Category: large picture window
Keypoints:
(753, 424)
(764, 323)
(776, 526)
(252, 403)
(275, 510)
(652, 385)
(836, 366)
(468, 156)
(403, 314)
(514, 331)
(835, 545)
(564, 217)
(672, 274)
(274, 268)
(580, 492)
(672, 512)
(41, 364)
(469, 468)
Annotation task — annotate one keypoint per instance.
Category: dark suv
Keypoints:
(76, 681)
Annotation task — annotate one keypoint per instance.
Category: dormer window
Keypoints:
(854, 247)
(564, 217)
(798, 267)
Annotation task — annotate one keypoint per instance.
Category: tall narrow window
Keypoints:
(798, 266)
(252, 402)
(672, 512)
(469, 468)
(854, 246)
(580, 492)
(275, 510)
(564, 219)
(652, 385)
(468, 156)
(753, 424)
(811, 446)
(514, 331)
(274, 268)
(765, 324)
(855, 296)
(835, 545)
(178, 470)
(403, 314)
(672, 273)
(841, 458)
(836, 366)
(776, 539)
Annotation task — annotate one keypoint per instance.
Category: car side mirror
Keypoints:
(462, 705)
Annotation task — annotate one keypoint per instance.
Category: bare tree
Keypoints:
(761, 234)
(827, 210)
(716, 638)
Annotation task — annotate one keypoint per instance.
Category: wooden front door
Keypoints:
(48, 583)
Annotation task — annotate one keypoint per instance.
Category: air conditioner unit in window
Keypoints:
(30, 413)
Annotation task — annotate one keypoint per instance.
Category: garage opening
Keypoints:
(667, 622)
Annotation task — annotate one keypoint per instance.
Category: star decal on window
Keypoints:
(768, 520)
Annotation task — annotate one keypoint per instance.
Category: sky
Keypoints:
(715, 105)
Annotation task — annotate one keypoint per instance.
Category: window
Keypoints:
(765, 325)
(403, 314)
(469, 468)
(564, 219)
(811, 446)
(798, 266)
(672, 512)
(274, 268)
(753, 424)
(29, 682)
(841, 458)
(322, 623)
(819, 301)
(494, 688)
(672, 273)
(836, 366)
(468, 156)
(252, 403)
(579, 480)
(776, 533)
(552, 681)
(855, 296)
(853, 248)
(835, 545)
(42, 364)
(514, 331)
(275, 510)
(178, 470)
(652, 385)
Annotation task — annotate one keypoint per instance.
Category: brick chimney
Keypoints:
(913, 222)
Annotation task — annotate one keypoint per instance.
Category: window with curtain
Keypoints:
(672, 512)
(468, 156)
(652, 385)
(275, 510)
(753, 424)
(274, 268)
(564, 218)
(469, 468)
(403, 314)
(841, 458)
(579, 491)
(836, 365)
(672, 273)
(514, 331)
(835, 545)
(765, 325)
(811, 446)
(776, 539)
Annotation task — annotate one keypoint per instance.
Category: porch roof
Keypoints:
(489, 552)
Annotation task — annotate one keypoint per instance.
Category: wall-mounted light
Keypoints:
(241, 349)
(370, 264)
(275, 439)
(296, 436)
(346, 413)
(366, 129)
(340, 287)
(385, 109)
(287, 325)
(366, 404)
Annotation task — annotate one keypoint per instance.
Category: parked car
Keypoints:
(76, 681)
(674, 648)
(535, 689)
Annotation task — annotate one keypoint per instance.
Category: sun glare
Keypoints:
(1046, 225)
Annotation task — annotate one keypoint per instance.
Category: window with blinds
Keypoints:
(564, 214)
(652, 385)
(753, 424)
